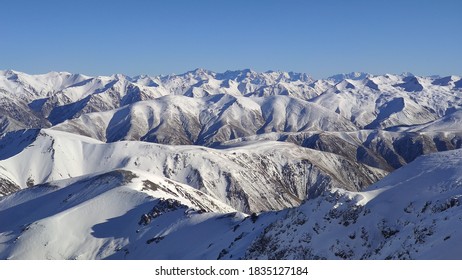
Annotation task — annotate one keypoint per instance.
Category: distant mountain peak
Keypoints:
(407, 74)
(352, 76)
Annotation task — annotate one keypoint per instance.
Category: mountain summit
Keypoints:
(233, 165)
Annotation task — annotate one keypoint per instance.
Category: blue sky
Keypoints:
(320, 38)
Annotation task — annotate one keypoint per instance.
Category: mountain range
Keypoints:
(233, 165)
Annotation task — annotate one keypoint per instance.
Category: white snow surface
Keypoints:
(368, 101)
(413, 213)
(251, 177)
(233, 165)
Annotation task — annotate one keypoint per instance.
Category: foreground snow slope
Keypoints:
(414, 213)
(84, 217)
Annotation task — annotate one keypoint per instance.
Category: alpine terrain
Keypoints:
(233, 165)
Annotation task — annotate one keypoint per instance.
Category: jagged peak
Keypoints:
(407, 74)
(121, 77)
(352, 76)
(199, 72)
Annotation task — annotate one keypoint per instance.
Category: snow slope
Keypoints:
(79, 218)
(206, 120)
(386, 150)
(414, 213)
(176, 166)
(252, 177)
(369, 101)
(449, 123)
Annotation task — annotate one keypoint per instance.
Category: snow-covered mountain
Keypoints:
(448, 123)
(369, 101)
(413, 213)
(254, 177)
(386, 150)
(128, 164)
(78, 209)
(205, 120)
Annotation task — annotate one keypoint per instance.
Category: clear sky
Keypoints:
(321, 38)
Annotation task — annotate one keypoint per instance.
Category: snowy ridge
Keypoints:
(281, 174)
(449, 123)
(233, 165)
(386, 150)
(206, 120)
(369, 101)
(412, 214)
(73, 218)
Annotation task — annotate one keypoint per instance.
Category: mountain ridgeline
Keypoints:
(272, 165)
